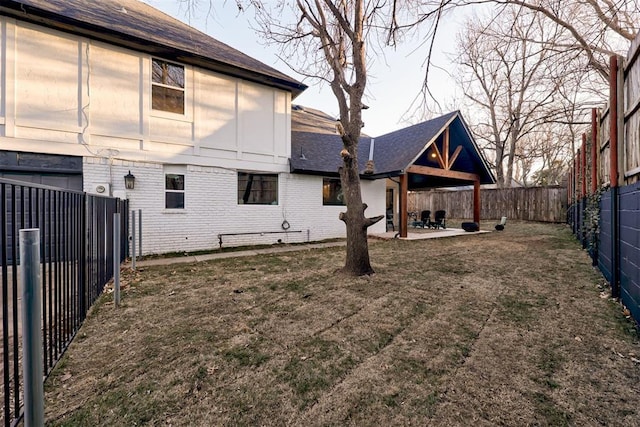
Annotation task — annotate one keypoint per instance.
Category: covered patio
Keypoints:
(437, 153)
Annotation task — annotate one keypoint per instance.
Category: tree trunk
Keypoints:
(499, 163)
(513, 139)
(357, 260)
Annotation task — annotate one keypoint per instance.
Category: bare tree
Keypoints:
(521, 85)
(328, 40)
(594, 29)
(332, 41)
(544, 154)
(505, 76)
(597, 28)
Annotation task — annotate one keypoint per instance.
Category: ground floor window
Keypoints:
(174, 189)
(257, 188)
(332, 192)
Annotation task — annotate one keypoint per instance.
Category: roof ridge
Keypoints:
(422, 123)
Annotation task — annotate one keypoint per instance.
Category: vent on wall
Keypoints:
(103, 189)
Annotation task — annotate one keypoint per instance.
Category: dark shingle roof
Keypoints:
(397, 150)
(316, 145)
(315, 148)
(133, 24)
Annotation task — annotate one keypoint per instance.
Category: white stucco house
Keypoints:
(92, 91)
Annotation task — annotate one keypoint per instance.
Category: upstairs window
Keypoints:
(257, 189)
(173, 191)
(332, 192)
(167, 87)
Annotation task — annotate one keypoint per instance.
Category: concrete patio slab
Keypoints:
(420, 234)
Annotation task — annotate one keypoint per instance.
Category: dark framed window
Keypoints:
(332, 192)
(257, 189)
(167, 86)
(174, 191)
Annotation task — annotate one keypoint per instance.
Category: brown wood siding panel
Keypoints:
(632, 115)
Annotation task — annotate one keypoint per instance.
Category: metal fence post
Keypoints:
(133, 239)
(140, 232)
(32, 332)
(116, 259)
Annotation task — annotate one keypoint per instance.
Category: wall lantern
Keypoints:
(129, 181)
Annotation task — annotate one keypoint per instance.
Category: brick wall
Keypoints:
(211, 207)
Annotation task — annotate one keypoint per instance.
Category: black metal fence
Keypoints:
(76, 232)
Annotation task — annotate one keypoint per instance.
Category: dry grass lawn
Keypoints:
(497, 329)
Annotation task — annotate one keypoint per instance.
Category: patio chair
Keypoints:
(439, 221)
(425, 219)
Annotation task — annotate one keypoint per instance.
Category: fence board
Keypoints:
(545, 204)
(632, 115)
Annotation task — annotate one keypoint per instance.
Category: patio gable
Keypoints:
(436, 153)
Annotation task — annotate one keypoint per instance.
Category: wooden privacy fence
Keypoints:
(604, 183)
(546, 204)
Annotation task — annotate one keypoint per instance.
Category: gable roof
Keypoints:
(138, 26)
(315, 149)
(399, 149)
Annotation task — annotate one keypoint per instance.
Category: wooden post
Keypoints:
(571, 217)
(576, 176)
(594, 151)
(584, 165)
(613, 121)
(569, 189)
(613, 175)
(578, 164)
(578, 196)
(404, 188)
(476, 201)
(445, 149)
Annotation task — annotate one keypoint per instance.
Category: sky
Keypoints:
(393, 81)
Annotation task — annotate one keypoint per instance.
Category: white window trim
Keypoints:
(174, 170)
